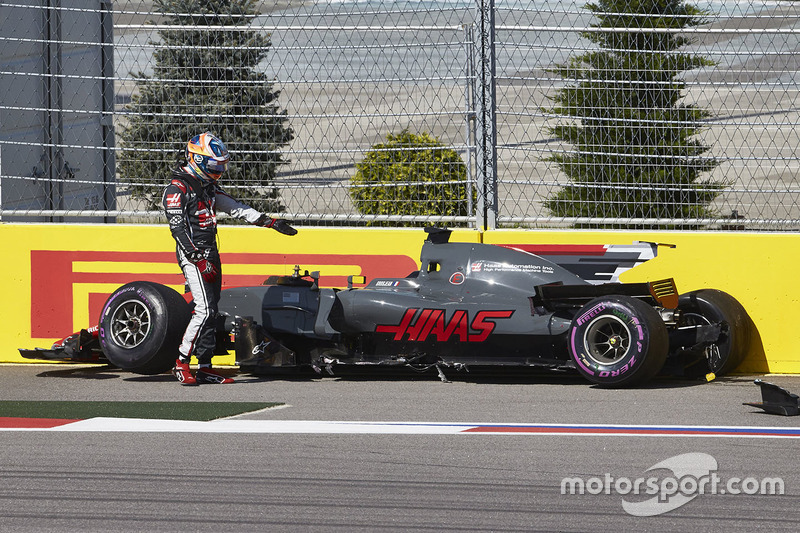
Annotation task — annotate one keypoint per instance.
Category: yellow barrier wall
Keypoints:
(56, 277)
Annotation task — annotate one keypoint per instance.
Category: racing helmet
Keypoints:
(207, 156)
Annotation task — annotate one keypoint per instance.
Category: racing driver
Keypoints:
(191, 201)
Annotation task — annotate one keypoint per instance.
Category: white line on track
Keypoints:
(231, 425)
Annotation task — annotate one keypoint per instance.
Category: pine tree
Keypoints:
(635, 152)
(206, 79)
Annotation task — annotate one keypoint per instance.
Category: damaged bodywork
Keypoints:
(469, 305)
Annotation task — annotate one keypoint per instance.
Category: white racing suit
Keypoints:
(191, 207)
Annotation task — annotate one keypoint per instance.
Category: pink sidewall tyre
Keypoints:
(618, 341)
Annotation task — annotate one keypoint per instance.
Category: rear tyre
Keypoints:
(618, 341)
(141, 327)
(710, 306)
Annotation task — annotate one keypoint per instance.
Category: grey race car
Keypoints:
(469, 305)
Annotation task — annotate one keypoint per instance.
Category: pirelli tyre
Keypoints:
(711, 306)
(618, 341)
(141, 327)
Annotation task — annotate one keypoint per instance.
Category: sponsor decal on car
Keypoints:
(591, 313)
(419, 325)
(457, 278)
(291, 297)
(492, 266)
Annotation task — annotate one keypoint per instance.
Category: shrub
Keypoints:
(411, 174)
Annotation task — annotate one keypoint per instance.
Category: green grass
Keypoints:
(165, 410)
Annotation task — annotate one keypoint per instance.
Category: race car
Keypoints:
(469, 305)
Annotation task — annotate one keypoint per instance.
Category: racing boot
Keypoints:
(183, 374)
(206, 374)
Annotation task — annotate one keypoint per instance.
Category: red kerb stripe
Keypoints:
(34, 423)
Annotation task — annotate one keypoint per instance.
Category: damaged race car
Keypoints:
(469, 306)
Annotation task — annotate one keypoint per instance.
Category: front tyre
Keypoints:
(141, 327)
(618, 341)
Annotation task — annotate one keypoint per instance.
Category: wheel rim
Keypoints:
(130, 324)
(607, 340)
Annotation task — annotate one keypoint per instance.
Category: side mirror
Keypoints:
(355, 279)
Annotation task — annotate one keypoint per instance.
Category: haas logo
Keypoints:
(420, 325)
(174, 200)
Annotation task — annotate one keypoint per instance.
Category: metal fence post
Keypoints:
(486, 118)
(54, 127)
(109, 200)
(469, 116)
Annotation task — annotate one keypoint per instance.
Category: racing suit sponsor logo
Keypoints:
(179, 184)
(261, 348)
(420, 325)
(173, 200)
(205, 215)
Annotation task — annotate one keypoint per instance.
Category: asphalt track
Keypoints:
(308, 467)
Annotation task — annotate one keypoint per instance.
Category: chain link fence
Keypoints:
(324, 102)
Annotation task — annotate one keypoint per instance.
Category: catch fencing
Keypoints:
(479, 77)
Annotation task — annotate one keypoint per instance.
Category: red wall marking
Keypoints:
(52, 278)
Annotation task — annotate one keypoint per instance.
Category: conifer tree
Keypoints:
(634, 148)
(206, 78)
